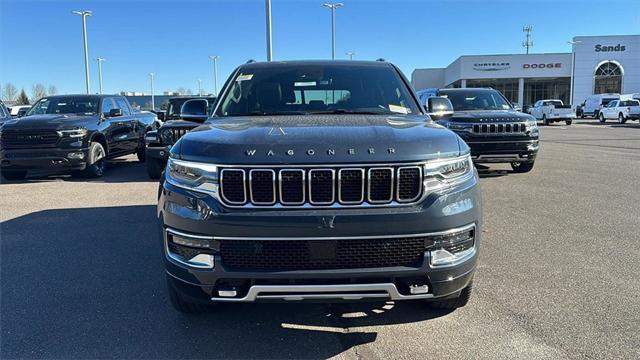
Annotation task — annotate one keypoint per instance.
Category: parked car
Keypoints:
(174, 126)
(19, 110)
(4, 113)
(622, 110)
(553, 110)
(319, 180)
(486, 121)
(593, 104)
(75, 133)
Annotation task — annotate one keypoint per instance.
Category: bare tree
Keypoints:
(37, 92)
(181, 90)
(10, 92)
(188, 92)
(52, 90)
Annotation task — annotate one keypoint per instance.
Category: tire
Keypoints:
(14, 174)
(568, 122)
(180, 304)
(154, 168)
(522, 167)
(97, 161)
(141, 153)
(602, 119)
(451, 304)
(545, 121)
(621, 119)
(582, 116)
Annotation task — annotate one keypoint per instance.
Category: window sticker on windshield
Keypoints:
(398, 109)
(244, 77)
(304, 83)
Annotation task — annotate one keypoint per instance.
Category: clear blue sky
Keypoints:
(41, 41)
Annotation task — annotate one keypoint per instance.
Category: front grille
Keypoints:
(172, 135)
(321, 186)
(16, 139)
(290, 255)
(500, 128)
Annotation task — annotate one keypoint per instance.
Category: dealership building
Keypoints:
(596, 64)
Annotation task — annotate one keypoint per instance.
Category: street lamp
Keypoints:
(215, 73)
(350, 53)
(199, 87)
(84, 14)
(153, 100)
(268, 14)
(100, 60)
(573, 68)
(333, 8)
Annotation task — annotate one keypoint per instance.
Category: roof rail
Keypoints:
(381, 60)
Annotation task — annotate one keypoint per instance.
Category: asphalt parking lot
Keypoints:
(82, 275)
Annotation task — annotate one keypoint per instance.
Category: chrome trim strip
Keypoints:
(436, 233)
(420, 176)
(340, 186)
(303, 184)
(369, 185)
(180, 233)
(176, 257)
(273, 186)
(244, 187)
(302, 292)
(333, 187)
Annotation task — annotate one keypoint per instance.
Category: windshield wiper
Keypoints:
(344, 111)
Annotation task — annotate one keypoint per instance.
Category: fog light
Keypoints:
(75, 155)
(190, 242)
(418, 289)
(450, 248)
(227, 292)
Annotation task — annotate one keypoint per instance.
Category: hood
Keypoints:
(317, 139)
(490, 116)
(180, 124)
(50, 121)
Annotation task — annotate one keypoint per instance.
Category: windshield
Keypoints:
(466, 100)
(555, 103)
(317, 89)
(605, 101)
(630, 103)
(76, 105)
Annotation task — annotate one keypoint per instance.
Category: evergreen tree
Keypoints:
(23, 99)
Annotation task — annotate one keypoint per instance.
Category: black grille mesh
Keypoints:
(262, 183)
(380, 184)
(409, 183)
(233, 188)
(292, 186)
(321, 187)
(351, 185)
(12, 139)
(282, 255)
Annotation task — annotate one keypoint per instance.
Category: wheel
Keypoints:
(141, 153)
(568, 122)
(522, 167)
(621, 119)
(602, 119)
(545, 121)
(458, 302)
(97, 162)
(180, 304)
(14, 174)
(582, 116)
(154, 168)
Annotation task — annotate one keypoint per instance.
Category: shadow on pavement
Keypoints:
(89, 283)
(118, 171)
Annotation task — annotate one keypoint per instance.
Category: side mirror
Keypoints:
(195, 110)
(115, 112)
(439, 107)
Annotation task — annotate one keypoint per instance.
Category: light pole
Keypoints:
(153, 100)
(199, 87)
(215, 73)
(333, 8)
(100, 60)
(350, 53)
(573, 68)
(268, 14)
(84, 14)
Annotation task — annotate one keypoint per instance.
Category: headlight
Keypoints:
(459, 127)
(192, 175)
(75, 133)
(167, 137)
(442, 174)
(151, 137)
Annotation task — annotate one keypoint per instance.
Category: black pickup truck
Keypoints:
(175, 125)
(489, 124)
(319, 180)
(76, 133)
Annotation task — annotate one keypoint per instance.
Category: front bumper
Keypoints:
(160, 153)
(503, 151)
(200, 215)
(45, 158)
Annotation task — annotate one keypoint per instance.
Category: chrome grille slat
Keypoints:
(499, 128)
(313, 186)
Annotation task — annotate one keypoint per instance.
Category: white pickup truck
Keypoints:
(622, 110)
(550, 111)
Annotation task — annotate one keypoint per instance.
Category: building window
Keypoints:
(608, 78)
(546, 89)
(508, 87)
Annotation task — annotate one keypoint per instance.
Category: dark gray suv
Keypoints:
(319, 180)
